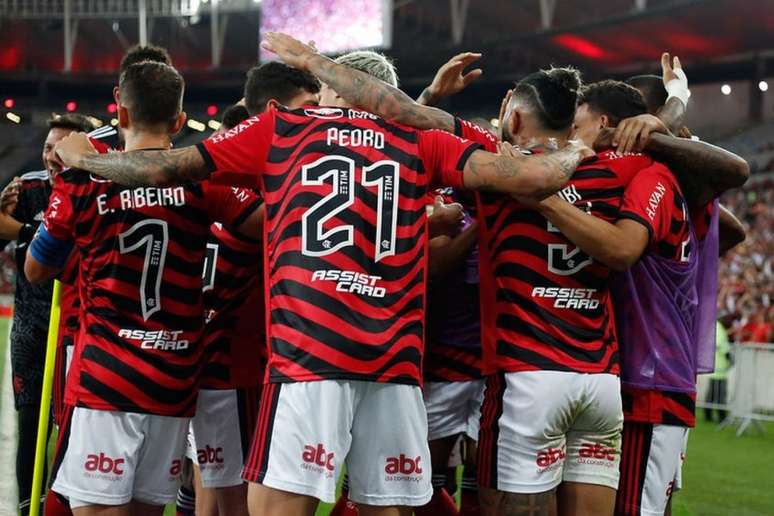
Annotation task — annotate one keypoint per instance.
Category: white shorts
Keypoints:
(215, 438)
(651, 461)
(540, 428)
(307, 430)
(453, 408)
(112, 458)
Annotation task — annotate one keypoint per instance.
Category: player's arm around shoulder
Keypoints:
(52, 244)
(617, 246)
(135, 168)
(534, 176)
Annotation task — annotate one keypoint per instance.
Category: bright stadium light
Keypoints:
(114, 122)
(725, 89)
(9, 103)
(763, 86)
(196, 125)
(214, 125)
(13, 117)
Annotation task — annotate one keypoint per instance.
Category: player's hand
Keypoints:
(604, 140)
(581, 148)
(72, 148)
(669, 69)
(446, 218)
(685, 133)
(451, 77)
(632, 134)
(290, 50)
(10, 196)
(503, 110)
(674, 78)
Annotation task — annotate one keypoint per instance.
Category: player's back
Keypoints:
(550, 301)
(345, 237)
(141, 252)
(234, 336)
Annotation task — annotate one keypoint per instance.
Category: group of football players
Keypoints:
(343, 281)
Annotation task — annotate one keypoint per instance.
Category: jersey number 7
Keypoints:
(152, 236)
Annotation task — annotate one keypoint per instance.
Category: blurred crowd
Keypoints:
(747, 272)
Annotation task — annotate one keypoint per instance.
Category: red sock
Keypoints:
(344, 507)
(442, 504)
(56, 505)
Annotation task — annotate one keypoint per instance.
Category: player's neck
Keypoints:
(138, 140)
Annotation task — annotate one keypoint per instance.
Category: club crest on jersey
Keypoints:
(324, 113)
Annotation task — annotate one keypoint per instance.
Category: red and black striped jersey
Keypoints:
(234, 336)
(654, 199)
(141, 253)
(345, 237)
(659, 407)
(545, 303)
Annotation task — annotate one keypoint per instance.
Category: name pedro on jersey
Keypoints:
(131, 199)
(351, 281)
(355, 138)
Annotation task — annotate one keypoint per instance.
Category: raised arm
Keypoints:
(357, 88)
(136, 168)
(450, 78)
(533, 176)
(672, 113)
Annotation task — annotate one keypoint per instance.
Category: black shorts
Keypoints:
(28, 357)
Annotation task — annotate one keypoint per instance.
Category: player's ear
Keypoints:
(178, 123)
(514, 122)
(123, 116)
(116, 94)
(271, 103)
(604, 121)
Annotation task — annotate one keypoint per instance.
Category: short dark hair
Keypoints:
(275, 80)
(652, 89)
(71, 121)
(615, 99)
(234, 115)
(140, 53)
(552, 94)
(152, 92)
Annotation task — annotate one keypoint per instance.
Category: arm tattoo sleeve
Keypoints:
(672, 114)
(549, 172)
(376, 96)
(154, 168)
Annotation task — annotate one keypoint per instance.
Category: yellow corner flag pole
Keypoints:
(45, 400)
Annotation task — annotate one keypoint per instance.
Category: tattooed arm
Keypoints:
(136, 168)
(357, 88)
(672, 114)
(534, 176)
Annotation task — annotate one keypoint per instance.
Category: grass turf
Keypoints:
(723, 474)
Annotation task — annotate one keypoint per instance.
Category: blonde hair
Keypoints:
(373, 63)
